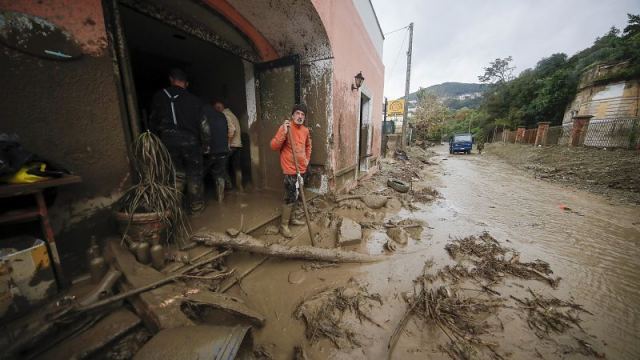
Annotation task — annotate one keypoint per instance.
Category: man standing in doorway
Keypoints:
(218, 150)
(176, 117)
(235, 143)
(293, 129)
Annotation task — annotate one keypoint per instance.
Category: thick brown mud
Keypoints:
(587, 241)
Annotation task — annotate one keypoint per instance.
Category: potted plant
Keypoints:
(152, 207)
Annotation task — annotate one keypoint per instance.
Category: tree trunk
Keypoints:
(244, 242)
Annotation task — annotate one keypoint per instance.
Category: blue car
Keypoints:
(460, 143)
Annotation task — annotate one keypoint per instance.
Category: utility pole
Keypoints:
(405, 117)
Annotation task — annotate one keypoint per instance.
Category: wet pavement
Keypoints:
(589, 242)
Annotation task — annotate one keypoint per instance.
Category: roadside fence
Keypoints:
(609, 133)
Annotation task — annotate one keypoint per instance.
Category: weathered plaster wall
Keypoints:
(353, 51)
(68, 112)
(605, 99)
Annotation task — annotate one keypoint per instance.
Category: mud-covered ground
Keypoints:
(562, 280)
(614, 173)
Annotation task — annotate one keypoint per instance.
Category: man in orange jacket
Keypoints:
(301, 149)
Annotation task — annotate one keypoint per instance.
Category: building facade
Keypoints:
(260, 56)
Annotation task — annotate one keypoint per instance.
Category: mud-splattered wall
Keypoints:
(353, 51)
(68, 112)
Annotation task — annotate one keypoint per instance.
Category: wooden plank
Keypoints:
(89, 342)
(159, 307)
(11, 190)
(16, 216)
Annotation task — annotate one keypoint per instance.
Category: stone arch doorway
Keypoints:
(263, 56)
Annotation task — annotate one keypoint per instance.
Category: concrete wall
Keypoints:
(353, 51)
(69, 112)
(614, 100)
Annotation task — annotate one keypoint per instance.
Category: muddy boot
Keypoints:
(296, 215)
(284, 221)
(220, 184)
(196, 196)
(239, 181)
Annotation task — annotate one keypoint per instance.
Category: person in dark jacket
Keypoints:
(218, 149)
(177, 118)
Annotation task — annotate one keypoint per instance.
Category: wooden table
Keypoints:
(38, 213)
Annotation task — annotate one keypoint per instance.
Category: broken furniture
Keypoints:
(38, 213)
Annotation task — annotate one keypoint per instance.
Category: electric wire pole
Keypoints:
(405, 117)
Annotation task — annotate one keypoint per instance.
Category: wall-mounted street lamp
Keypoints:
(358, 81)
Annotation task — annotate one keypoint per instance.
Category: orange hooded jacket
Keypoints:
(302, 146)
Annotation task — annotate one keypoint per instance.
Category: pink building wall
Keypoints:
(82, 19)
(353, 52)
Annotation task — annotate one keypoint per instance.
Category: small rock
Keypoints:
(393, 204)
(297, 277)
(398, 235)
(271, 230)
(349, 232)
(233, 232)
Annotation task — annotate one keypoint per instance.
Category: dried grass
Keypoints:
(323, 313)
(156, 190)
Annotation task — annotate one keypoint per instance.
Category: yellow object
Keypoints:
(395, 107)
(27, 174)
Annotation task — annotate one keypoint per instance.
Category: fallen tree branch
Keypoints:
(248, 243)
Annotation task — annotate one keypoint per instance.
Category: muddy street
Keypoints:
(588, 242)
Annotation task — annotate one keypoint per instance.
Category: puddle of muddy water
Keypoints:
(595, 252)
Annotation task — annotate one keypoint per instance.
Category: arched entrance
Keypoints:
(260, 57)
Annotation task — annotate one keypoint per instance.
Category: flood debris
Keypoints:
(317, 265)
(460, 318)
(324, 314)
(247, 243)
(462, 314)
(491, 261)
(425, 195)
(399, 235)
(349, 232)
(548, 314)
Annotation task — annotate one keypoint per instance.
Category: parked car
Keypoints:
(460, 143)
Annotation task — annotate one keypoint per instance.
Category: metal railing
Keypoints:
(559, 135)
(624, 133)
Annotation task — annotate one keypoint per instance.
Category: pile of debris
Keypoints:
(324, 313)
(463, 318)
(491, 261)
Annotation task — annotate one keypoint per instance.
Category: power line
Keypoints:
(396, 30)
(398, 55)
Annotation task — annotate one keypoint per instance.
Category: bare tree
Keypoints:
(498, 72)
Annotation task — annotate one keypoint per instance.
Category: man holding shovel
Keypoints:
(294, 144)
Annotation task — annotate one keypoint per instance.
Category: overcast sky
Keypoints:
(454, 40)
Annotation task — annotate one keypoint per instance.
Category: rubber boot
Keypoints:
(239, 180)
(196, 195)
(220, 189)
(295, 220)
(284, 221)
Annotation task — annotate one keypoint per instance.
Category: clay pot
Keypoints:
(142, 226)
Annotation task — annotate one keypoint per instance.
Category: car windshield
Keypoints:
(460, 138)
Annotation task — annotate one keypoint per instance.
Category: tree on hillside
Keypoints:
(633, 27)
(498, 72)
(430, 115)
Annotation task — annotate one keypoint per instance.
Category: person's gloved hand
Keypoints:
(206, 149)
(300, 180)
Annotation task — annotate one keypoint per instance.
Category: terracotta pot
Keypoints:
(142, 225)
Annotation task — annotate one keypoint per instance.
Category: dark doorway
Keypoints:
(364, 148)
(155, 47)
